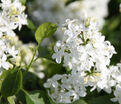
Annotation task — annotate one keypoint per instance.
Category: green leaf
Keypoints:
(12, 82)
(34, 97)
(53, 68)
(28, 98)
(3, 76)
(101, 100)
(30, 81)
(44, 53)
(23, 1)
(11, 99)
(79, 102)
(45, 30)
(31, 25)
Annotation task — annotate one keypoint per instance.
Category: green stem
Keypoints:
(32, 60)
(36, 59)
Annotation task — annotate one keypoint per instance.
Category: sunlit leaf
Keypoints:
(11, 99)
(45, 30)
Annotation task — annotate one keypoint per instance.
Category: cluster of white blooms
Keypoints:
(66, 88)
(115, 79)
(7, 54)
(87, 54)
(83, 47)
(11, 16)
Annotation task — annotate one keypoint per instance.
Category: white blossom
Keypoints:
(8, 53)
(87, 54)
(117, 94)
(11, 16)
(83, 46)
(115, 78)
(66, 88)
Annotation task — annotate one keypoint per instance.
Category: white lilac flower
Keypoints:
(12, 51)
(3, 62)
(8, 54)
(86, 53)
(113, 81)
(115, 73)
(66, 88)
(83, 46)
(12, 16)
(115, 78)
(117, 94)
